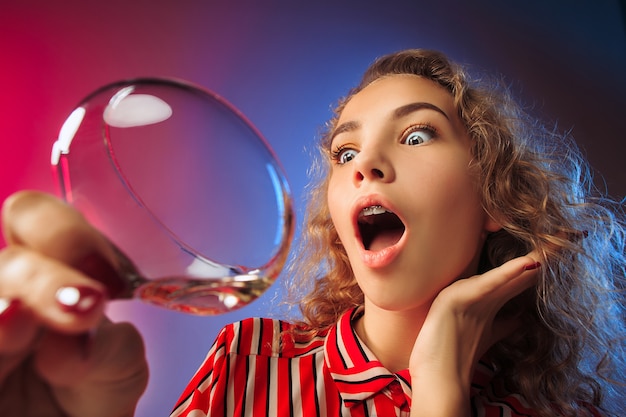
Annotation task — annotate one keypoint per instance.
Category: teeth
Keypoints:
(373, 210)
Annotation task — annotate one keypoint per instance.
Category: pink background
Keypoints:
(283, 63)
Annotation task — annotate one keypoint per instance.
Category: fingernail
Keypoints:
(7, 308)
(79, 300)
(532, 266)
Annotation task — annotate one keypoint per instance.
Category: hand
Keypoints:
(59, 355)
(460, 327)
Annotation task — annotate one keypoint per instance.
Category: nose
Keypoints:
(372, 165)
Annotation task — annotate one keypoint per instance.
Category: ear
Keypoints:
(491, 225)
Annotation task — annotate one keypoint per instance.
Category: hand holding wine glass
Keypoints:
(59, 355)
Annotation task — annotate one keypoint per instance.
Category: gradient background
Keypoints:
(284, 63)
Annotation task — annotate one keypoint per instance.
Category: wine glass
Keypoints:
(185, 186)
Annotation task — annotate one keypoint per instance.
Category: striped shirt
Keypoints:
(255, 369)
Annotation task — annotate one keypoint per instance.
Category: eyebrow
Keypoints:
(398, 113)
(412, 107)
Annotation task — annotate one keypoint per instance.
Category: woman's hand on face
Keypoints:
(59, 355)
(460, 327)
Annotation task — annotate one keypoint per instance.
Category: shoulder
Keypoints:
(264, 337)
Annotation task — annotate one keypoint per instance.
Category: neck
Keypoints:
(390, 335)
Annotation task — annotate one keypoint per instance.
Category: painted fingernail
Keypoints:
(7, 308)
(80, 300)
(532, 266)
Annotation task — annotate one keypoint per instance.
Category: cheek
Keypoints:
(452, 186)
(452, 199)
(462, 194)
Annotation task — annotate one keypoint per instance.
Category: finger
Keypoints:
(515, 276)
(110, 351)
(109, 363)
(51, 227)
(49, 292)
(17, 327)
(63, 359)
(48, 225)
(491, 290)
(18, 332)
(506, 281)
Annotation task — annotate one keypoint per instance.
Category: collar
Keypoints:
(357, 373)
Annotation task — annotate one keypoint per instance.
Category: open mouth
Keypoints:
(379, 228)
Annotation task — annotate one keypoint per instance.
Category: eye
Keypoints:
(416, 135)
(343, 155)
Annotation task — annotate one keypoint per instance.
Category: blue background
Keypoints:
(284, 64)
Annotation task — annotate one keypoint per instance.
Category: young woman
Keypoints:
(454, 263)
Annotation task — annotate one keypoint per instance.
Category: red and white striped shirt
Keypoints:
(255, 369)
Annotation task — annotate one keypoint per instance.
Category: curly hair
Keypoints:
(536, 184)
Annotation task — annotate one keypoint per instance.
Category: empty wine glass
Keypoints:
(182, 184)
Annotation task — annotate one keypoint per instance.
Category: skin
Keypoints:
(423, 304)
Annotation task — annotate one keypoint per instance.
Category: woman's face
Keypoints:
(401, 195)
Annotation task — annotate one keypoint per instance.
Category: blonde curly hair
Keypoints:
(534, 182)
